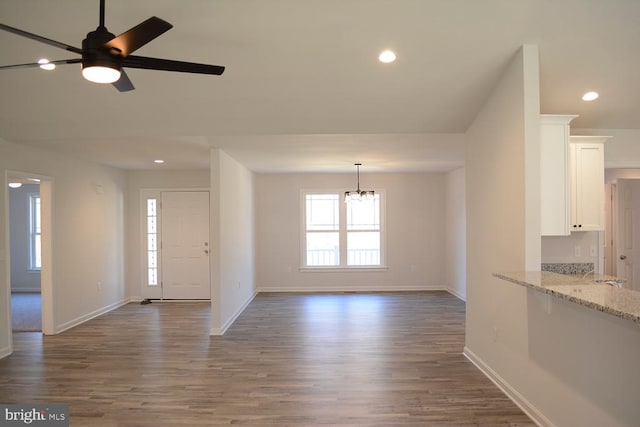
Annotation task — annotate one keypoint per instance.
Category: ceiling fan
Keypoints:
(104, 55)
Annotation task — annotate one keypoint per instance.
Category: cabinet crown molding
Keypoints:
(600, 139)
(559, 119)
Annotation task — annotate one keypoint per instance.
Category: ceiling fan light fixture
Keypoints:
(100, 74)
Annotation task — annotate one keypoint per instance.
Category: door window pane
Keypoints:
(152, 242)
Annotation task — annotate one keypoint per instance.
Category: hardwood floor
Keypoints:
(388, 359)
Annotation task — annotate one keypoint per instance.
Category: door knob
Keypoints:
(623, 257)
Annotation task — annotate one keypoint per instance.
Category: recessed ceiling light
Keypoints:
(158, 161)
(387, 56)
(15, 184)
(590, 96)
(46, 65)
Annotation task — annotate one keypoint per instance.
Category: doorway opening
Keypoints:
(622, 226)
(29, 201)
(26, 254)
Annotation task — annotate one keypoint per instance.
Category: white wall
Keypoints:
(414, 225)
(88, 230)
(496, 331)
(456, 233)
(232, 240)
(566, 364)
(612, 175)
(22, 278)
(143, 180)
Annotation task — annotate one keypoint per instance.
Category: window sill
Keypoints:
(374, 269)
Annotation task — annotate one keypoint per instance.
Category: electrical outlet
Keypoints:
(577, 251)
(99, 285)
(593, 250)
(494, 331)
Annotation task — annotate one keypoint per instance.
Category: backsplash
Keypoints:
(579, 247)
(575, 268)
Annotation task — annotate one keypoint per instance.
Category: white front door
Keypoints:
(624, 235)
(185, 245)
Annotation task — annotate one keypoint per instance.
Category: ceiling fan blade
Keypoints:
(170, 65)
(123, 84)
(138, 36)
(36, 64)
(40, 39)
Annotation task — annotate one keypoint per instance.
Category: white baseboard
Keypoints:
(228, 323)
(79, 320)
(215, 332)
(382, 288)
(457, 294)
(517, 398)
(136, 299)
(5, 351)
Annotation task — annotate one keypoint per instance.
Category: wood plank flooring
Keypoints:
(384, 359)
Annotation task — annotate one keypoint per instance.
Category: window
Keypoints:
(339, 234)
(152, 242)
(35, 242)
(323, 238)
(363, 232)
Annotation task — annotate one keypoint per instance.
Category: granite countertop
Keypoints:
(620, 302)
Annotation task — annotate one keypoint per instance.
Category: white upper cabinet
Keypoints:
(555, 174)
(587, 183)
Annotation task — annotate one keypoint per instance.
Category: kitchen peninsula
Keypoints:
(599, 292)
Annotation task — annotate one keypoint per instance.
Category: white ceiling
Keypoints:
(303, 90)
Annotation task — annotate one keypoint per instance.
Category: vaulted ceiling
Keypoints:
(303, 89)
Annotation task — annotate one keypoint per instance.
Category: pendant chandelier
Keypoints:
(358, 195)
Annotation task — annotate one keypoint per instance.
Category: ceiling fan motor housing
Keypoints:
(94, 53)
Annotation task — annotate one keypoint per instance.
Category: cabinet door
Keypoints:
(554, 178)
(587, 187)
